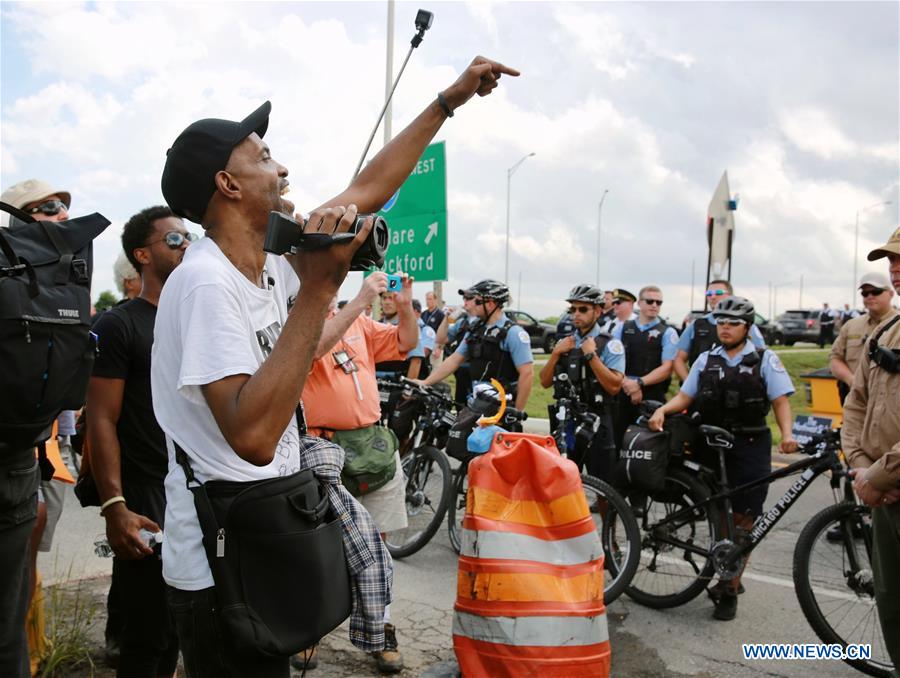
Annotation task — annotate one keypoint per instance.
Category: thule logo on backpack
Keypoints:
(636, 454)
(68, 313)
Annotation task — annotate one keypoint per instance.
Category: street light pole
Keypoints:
(599, 224)
(509, 173)
(856, 245)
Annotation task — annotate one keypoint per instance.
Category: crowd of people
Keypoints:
(224, 363)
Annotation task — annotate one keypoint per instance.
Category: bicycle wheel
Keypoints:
(619, 533)
(675, 564)
(427, 473)
(834, 584)
(457, 509)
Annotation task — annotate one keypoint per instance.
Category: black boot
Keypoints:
(726, 606)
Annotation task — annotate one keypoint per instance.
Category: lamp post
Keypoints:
(509, 173)
(599, 224)
(856, 245)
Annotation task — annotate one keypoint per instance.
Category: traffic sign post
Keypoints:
(417, 218)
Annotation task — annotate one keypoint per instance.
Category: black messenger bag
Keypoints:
(261, 535)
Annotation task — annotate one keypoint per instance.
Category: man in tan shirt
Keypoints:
(871, 441)
(847, 349)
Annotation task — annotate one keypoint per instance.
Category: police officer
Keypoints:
(733, 385)
(397, 311)
(595, 363)
(623, 310)
(450, 336)
(871, 442)
(496, 348)
(700, 335)
(848, 348)
(650, 348)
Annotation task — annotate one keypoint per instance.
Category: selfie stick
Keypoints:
(424, 19)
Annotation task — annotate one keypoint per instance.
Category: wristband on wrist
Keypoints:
(442, 102)
(109, 502)
(640, 382)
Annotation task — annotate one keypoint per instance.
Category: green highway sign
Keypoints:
(417, 218)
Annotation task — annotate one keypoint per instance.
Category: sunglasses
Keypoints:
(616, 302)
(50, 207)
(871, 293)
(478, 302)
(580, 309)
(175, 239)
(716, 293)
(731, 322)
(653, 302)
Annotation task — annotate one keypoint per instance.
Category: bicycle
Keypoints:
(688, 537)
(425, 467)
(618, 529)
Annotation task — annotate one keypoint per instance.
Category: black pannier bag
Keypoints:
(643, 459)
(46, 347)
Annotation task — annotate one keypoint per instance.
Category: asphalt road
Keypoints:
(684, 641)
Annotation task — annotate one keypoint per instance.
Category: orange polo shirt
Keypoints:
(330, 398)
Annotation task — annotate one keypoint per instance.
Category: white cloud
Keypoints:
(813, 130)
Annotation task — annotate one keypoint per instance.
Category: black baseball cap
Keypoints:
(199, 152)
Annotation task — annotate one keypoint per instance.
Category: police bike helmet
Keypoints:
(737, 308)
(485, 400)
(586, 293)
(490, 289)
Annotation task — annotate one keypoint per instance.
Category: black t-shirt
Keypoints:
(124, 340)
(433, 318)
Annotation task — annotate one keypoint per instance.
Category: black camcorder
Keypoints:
(286, 236)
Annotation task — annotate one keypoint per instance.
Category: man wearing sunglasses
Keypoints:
(622, 311)
(871, 439)
(650, 348)
(701, 334)
(848, 348)
(733, 386)
(44, 203)
(495, 347)
(599, 368)
(129, 460)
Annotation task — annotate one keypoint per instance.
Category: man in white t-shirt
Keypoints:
(223, 388)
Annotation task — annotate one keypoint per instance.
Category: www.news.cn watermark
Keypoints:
(832, 651)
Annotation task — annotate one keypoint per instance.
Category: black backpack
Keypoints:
(46, 348)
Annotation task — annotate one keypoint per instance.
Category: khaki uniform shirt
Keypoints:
(851, 340)
(871, 430)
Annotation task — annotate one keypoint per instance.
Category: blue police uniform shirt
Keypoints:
(684, 344)
(453, 330)
(612, 355)
(517, 343)
(669, 339)
(778, 382)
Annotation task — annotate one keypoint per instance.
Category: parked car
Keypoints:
(542, 335)
(797, 325)
(766, 328)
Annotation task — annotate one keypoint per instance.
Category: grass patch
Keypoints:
(70, 613)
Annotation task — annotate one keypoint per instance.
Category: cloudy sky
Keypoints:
(650, 101)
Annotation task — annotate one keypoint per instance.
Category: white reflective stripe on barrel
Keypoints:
(538, 631)
(509, 545)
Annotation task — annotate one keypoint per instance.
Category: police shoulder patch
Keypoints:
(523, 337)
(429, 332)
(615, 347)
(775, 362)
(673, 336)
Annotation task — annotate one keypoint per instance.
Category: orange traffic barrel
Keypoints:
(529, 598)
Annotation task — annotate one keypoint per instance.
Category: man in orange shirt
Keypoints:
(341, 394)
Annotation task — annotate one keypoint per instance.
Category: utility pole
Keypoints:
(599, 224)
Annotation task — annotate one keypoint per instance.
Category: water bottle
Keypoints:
(150, 539)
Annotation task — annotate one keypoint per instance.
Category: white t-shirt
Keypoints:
(212, 322)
